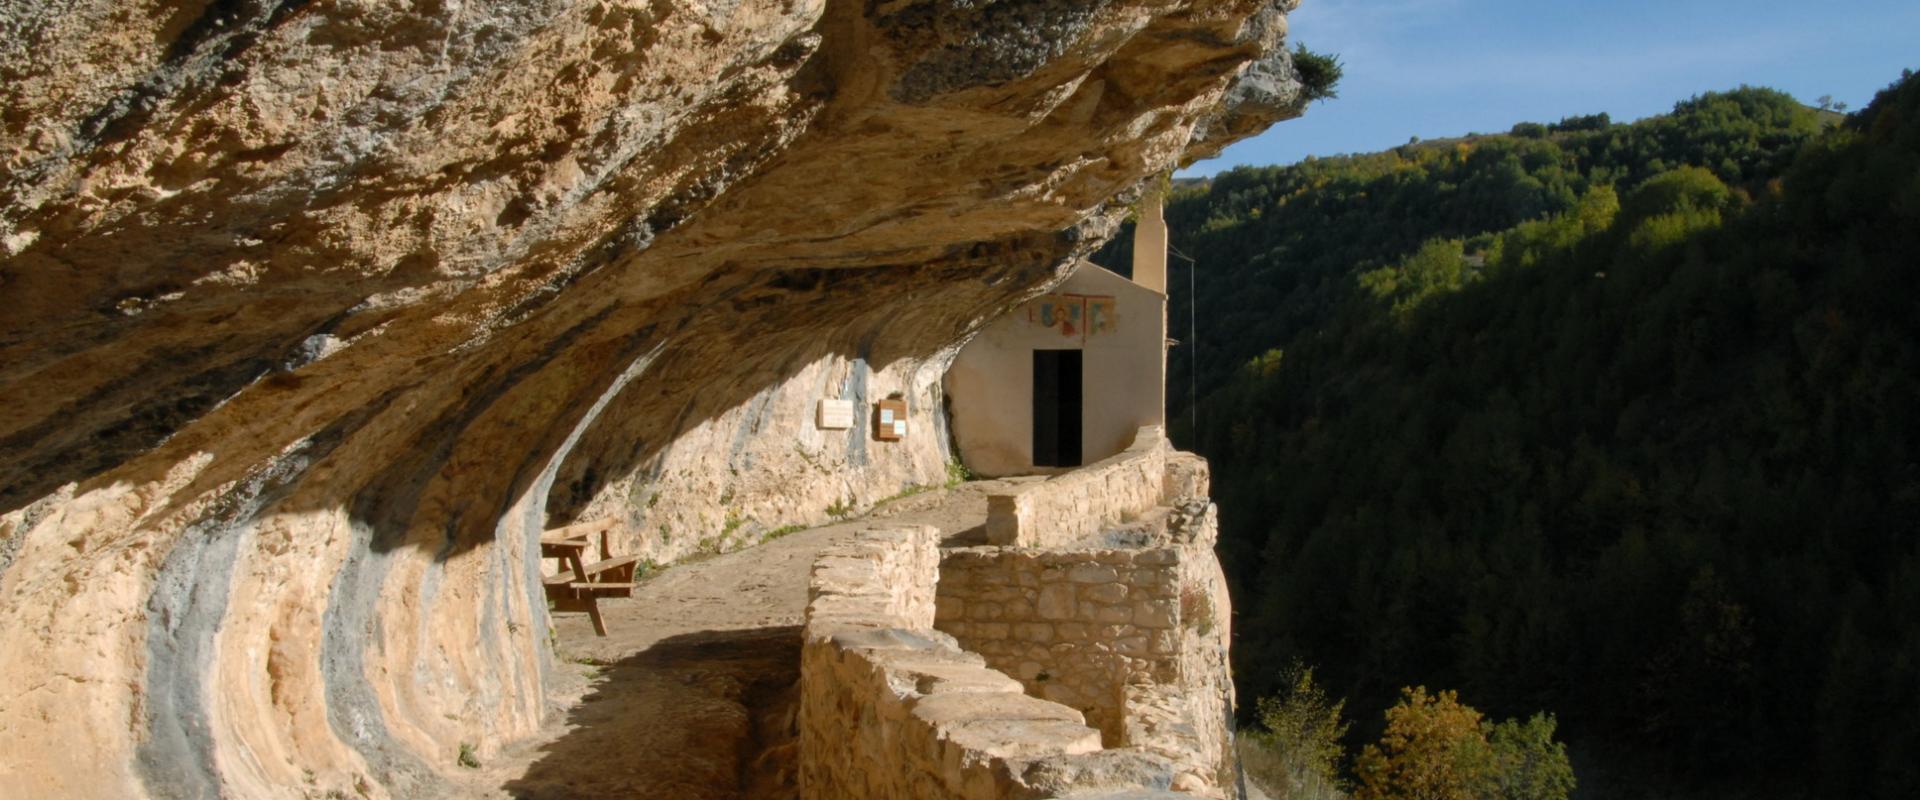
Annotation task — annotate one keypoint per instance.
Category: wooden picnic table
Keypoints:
(578, 585)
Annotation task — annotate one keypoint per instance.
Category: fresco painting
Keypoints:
(1100, 316)
(1063, 312)
(1074, 316)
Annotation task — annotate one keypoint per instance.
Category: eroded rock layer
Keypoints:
(319, 311)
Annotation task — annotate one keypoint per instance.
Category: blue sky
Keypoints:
(1436, 68)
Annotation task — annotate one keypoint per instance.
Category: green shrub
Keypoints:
(1319, 73)
(468, 758)
(957, 472)
(1528, 763)
(840, 509)
(783, 530)
(1437, 748)
(1297, 754)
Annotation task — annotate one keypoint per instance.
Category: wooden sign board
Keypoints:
(834, 415)
(890, 420)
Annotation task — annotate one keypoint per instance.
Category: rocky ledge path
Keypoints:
(691, 695)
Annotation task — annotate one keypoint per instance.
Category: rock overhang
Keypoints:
(368, 295)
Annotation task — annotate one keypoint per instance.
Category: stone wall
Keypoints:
(880, 578)
(1110, 494)
(891, 708)
(1134, 638)
(1077, 505)
(1191, 720)
(1073, 626)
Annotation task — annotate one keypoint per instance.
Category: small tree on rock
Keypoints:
(1432, 749)
(1528, 763)
(1297, 755)
(1435, 748)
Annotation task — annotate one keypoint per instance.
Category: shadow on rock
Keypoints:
(696, 716)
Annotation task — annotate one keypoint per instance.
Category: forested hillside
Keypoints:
(1620, 422)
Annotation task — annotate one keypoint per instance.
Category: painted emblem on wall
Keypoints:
(1100, 316)
(1073, 316)
(1065, 313)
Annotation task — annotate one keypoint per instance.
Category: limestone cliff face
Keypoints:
(317, 311)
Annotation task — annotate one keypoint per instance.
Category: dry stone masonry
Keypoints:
(1075, 627)
(1030, 664)
(1081, 503)
(892, 708)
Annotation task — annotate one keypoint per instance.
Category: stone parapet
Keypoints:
(1135, 638)
(892, 708)
(879, 579)
(1074, 506)
(1074, 626)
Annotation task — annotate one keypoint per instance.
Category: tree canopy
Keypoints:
(1619, 421)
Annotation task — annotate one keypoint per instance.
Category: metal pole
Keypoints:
(1193, 335)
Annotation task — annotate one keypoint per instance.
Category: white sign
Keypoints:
(835, 414)
(899, 427)
(886, 416)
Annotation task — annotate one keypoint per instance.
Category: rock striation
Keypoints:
(319, 312)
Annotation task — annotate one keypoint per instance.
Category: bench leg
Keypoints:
(593, 611)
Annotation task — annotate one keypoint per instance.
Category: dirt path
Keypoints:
(691, 694)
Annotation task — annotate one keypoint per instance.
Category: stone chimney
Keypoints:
(1150, 245)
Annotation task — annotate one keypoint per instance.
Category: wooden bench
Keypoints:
(577, 585)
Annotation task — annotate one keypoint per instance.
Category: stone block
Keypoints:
(1157, 556)
(1108, 593)
(1004, 594)
(1154, 614)
(992, 577)
(1151, 576)
(1039, 632)
(1056, 602)
(989, 630)
(1025, 739)
(961, 707)
(1060, 691)
(1093, 573)
(950, 608)
(943, 678)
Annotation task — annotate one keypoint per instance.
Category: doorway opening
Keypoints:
(1056, 408)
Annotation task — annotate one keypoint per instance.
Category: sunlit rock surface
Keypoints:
(317, 312)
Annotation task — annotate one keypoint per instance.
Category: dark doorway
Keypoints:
(1056, 408)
